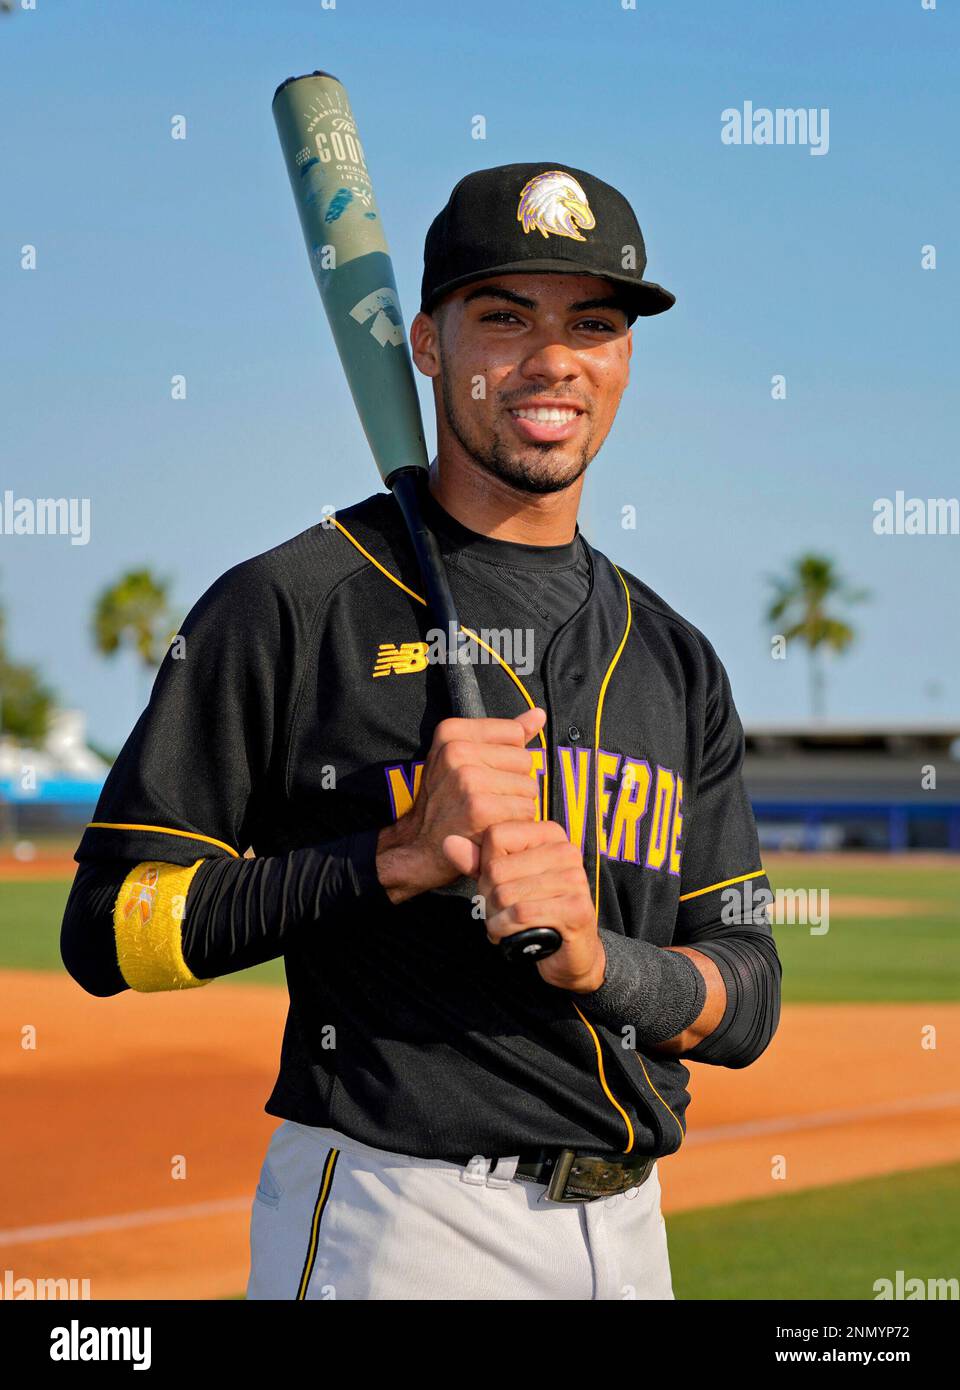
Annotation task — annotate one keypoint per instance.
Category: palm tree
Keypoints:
(25, 706)
(801, 597)
(25, 699)
(134, 612)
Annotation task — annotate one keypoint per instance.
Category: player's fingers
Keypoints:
(485, 809)
(472, 781)
(511, 732)
(536, 879)
(550, 856)
(512, 837)
(462, 854)
(568, 913)
(531, 721)
(459, 753)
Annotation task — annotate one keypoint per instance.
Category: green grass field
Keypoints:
(30, 915)
(913, 957)
(829, 1243)
(832, 1242)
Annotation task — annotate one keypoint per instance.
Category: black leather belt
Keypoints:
(570, 1176)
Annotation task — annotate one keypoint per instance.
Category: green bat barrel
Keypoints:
(351, 263)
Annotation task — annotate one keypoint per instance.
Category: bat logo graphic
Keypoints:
(384, 306)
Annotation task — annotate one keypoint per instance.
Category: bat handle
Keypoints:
(464, 691)
(536, 943)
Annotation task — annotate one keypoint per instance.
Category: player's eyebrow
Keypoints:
(498, 292)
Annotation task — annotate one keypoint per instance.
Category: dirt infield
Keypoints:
(117, 1092)
(60, 867)
(844, 1091)
(866, 859)
(852, 905)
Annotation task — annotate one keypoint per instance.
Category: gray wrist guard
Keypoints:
(656, 992)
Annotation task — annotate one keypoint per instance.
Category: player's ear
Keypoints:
(425, 344)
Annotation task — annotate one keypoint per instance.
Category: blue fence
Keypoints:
(62, 791)
(893, 825)
(900, 824)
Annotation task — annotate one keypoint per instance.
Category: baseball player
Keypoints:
(453, 1125)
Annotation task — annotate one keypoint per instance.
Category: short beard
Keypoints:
(500, 463)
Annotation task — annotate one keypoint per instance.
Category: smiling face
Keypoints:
(552, 353)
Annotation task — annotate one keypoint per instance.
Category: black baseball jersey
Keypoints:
(299, 713)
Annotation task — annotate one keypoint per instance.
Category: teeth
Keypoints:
(546, 415)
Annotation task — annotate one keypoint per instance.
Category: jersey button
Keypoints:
(574, 734)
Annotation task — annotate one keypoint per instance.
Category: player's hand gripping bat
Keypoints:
(354, 274)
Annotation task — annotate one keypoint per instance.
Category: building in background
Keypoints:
(52, 788)
(813, 785)
(820, 785)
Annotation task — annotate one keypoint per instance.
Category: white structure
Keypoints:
(63, 753)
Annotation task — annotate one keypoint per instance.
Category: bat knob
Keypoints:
(534, 944)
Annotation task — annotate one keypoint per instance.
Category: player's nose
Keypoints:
(551, 362)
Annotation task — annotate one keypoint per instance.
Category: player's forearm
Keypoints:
(717, 1002)
(748, 962)
(714, 1004)
(236, 913)
(245, 912)
(654, 993)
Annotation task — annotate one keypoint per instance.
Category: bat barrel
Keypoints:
(351, 263)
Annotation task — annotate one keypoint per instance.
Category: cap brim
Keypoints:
(643, 298)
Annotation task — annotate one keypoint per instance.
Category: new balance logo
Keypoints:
(402, 660)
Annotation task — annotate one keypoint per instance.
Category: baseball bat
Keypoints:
(351, 264)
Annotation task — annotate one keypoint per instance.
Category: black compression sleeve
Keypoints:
(659, 993)
(238, 912)
(241, 912)
(751, 971)
(87, 946)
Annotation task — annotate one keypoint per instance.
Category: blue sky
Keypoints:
(158, 257)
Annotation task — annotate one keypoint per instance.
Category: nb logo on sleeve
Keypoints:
(402, 660)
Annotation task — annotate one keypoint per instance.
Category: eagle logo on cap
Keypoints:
(554, 203)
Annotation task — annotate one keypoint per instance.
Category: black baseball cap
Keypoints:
(538, 217)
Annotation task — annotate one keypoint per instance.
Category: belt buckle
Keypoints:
(558, 1178)
(563, 1170)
